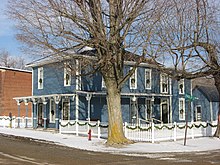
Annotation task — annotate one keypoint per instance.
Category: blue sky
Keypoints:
(7, 32)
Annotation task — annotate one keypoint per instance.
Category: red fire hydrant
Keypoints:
(90, 135)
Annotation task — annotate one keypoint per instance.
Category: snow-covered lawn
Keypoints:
(139, 148)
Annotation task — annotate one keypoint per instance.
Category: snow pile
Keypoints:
(139, 148)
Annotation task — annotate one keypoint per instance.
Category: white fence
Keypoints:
(80, 127)
(162, 132)
(142, 132)
(24, 122)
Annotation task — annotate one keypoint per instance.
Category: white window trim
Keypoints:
(67, 71)
(161, 83)
(65, 101)
(52, 102)
(196, 117)
(184, 109)
(40, 76)
(164, 101)
(134, 75)
(133, 109)
(103, 83)
(146, 115)
(183, 83)
(148, 70)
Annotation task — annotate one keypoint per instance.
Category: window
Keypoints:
(133, 80)
(133, 110)
(181, 109)
(148, 109)
(198, 113)
(52, 111)
(40, 78)
(66, 110)
(67, 76)
(164, 83)
(147, 78)
(103, 83)
(181, 86)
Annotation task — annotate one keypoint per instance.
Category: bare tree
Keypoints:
(111, 27)
(10, 61)
(188, 39)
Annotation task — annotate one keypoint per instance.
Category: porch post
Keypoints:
(57, 100)
(57, 115)
(18, 103)
(45, 114)
(26, 115)
(88, 98)
(35, 114)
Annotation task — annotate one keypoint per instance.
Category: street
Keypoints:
(22, 151)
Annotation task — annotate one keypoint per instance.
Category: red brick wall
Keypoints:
(14, 84)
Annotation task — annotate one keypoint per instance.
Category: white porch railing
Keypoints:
(6, 121)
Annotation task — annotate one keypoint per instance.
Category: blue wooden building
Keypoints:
(62, 93)
(207, 105)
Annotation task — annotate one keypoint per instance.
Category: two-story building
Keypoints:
(63, 93)
(13, 83)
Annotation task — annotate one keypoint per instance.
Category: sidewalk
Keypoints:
(139, 148)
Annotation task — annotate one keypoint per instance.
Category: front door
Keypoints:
(40, 114)
(164, 111)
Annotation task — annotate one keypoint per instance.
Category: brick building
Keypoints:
(14, 83)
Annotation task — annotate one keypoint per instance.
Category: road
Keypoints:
(24, 151)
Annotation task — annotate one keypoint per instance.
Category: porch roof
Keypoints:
(125, 94)
(34, 98)
(58, 96)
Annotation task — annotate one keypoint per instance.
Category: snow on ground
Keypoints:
(139, 148)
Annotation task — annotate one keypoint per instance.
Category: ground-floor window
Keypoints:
(198, 114)
(164, 111)
(66, 110)
(52, 111)
(148, 109)
(133, 110)
(181, 109)
(40, 114)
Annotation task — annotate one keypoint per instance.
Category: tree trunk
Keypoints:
(217, 84)
(115, 130)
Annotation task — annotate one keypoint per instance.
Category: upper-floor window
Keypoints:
(147, 78)
(181, 109)
(181, 86)
(133, 79)
(164, 83)
(67, 76)
(40, 77)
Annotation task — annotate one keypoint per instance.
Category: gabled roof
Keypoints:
(87, 52)
(210, 92)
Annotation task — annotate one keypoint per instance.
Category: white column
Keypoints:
(18, 103)
(45, 114)
(34, 114)
(170, 117)
(26, 115)
(77, 88)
